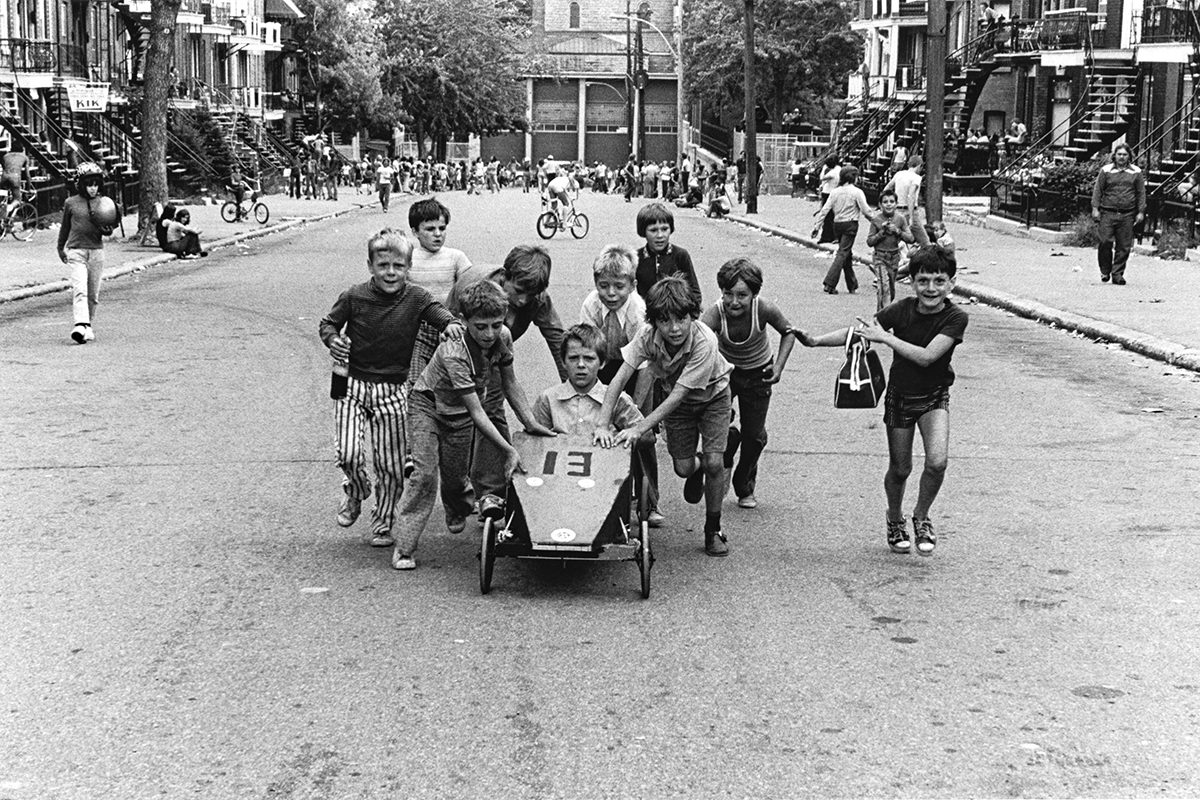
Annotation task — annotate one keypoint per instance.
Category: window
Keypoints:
(574, 23)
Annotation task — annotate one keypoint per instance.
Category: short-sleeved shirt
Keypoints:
(459, 368)
(564, 409)
(904, 320)
(697, 365)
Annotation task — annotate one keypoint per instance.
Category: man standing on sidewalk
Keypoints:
(1118, 203)
(907, 185)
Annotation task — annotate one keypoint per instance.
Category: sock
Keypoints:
(712, 521)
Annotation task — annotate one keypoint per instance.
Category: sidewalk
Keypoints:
(1157, 314)
(30, 269)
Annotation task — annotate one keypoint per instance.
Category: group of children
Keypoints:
(429, 343)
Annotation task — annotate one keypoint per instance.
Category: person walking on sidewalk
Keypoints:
(907, 185)
(1118, 203)
(845, 203)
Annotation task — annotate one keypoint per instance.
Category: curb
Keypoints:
(140, 264)
(1164, 350)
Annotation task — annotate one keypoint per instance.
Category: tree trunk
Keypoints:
(155, 103)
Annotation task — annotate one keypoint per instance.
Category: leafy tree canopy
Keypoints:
(341, 48)
(803, 51)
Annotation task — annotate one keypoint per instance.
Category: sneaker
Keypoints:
(897, 536)
(410, 466)
(89, 335)
(715, 544)
(735, 441)
(379, 539)
(926, 541)
(455, 523)
(401, 561)
(349, 510)
(491, 506)
(79, 333)
(655, 519)
(749, 501)
(830, 290)
(1118, 280)
(1104, 276)
(693, 486)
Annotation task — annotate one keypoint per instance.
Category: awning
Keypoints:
(285, 9)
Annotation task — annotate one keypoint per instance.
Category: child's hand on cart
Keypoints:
(605, 435)
(630, 436)
(535, 428)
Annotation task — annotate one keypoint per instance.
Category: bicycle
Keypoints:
(548, 223)
(251, 205)
(20, 217)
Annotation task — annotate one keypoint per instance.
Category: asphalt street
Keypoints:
(180, 616)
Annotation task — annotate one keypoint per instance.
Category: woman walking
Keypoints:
(844, 205)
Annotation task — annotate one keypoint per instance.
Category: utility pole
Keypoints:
(935, 95)
(629, 80)
(751, 158)
(640, 81)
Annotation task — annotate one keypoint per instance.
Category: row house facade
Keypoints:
(71, 75)
(1079, 75)
(603, 85)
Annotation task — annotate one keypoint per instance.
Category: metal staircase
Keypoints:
(1112, 102)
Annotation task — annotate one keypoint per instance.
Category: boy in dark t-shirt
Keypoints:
(923, 332)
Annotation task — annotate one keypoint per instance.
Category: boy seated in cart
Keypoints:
(573, 407)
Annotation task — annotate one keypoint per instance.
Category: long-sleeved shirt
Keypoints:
(78, 232)
(1121, 190)
(382, 328)
(888, 242)
(652, 267)
(846, 202)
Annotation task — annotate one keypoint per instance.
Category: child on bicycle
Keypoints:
(559, 191)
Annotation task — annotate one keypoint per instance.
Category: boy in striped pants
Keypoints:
(373, 326)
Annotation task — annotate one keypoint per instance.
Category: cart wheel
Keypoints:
(579, 226)
(23, 222)
(261, 213)
(487, 556)
(229, 211)
(645, 559)
(547, 224)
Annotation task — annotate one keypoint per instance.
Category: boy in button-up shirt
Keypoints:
(574, 406)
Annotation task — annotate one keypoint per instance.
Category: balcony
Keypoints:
(1167, 25)
(44, 56)
(910, 76)
(910, 10)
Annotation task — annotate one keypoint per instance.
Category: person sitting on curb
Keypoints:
(181, 239)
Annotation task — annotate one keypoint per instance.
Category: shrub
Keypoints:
(1083, 231)
(1061, 186)
(1174, 241)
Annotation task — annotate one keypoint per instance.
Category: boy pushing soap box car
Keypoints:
(373, 326)
(447, 409)
(683, 354)
(923, 332)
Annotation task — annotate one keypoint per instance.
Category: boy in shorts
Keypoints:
(373, 326)
(447, 407)
(682, 353)
(923, 332)
(888, 229)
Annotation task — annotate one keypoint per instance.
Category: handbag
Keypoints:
(860, 382)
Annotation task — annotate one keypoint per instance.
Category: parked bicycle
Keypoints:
(19, 216)
(251, 205)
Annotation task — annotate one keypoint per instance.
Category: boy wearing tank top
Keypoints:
(740, 321)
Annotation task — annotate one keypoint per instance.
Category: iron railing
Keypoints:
(1167, 24)
(43, 55)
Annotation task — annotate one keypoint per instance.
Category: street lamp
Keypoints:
(675, 54)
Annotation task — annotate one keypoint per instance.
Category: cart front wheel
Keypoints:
(261, 213)
(645, 560)
(547, 225)
(487, 555)
(579, 226)
(229, 211)
(23, 222)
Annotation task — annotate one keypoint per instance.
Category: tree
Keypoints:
(451, 66)
(803, 51)
(155, 105)
(341, 56)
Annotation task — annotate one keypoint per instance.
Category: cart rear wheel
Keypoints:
(487, 555)
(229, 211)
(547, 224)
(579, 226)
(645, 559)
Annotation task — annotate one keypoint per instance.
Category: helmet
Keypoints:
(88, 168)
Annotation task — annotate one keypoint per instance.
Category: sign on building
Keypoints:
(88, 97)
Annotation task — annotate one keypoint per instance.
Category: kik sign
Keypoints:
(88, 97)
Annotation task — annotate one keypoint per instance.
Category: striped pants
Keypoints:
(382, 408)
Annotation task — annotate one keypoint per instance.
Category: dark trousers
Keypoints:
(1115, 228)
(189, 245)
(294, 184)
(827, 234)
(750, 389)
(846, 233)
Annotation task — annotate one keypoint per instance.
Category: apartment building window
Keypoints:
(574, 22)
